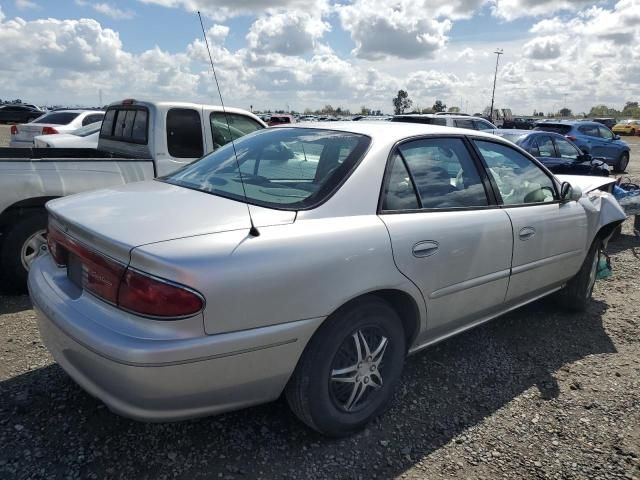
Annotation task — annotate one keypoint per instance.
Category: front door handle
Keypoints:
(425, 248)
(526, 233)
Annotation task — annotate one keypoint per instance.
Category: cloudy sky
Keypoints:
(308, 53)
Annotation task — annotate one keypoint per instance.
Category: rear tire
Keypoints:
(622, 163)
(337, 388)
(19, 246)
(576, 295)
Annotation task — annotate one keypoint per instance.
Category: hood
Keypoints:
(585, 182)
(115, 220)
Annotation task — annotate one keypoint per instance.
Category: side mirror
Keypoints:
(569, 193)
(585, 157)
(616, 137)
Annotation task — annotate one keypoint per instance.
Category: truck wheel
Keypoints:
(21, 245)
(622, 163)
(350, 368)
(576, 295)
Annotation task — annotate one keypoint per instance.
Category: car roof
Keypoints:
(76, 110)
(390, 131)
(433, 115)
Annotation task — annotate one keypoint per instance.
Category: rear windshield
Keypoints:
(284, 168)
(554, 127)
(57, 118)
(429, 120)
(512, 137)
(126, 124)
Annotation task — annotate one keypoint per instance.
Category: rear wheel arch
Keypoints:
(21, 208)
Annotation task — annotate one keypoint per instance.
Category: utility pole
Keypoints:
(498, 52)
(100, 98)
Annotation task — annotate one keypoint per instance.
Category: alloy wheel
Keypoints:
(31, 248)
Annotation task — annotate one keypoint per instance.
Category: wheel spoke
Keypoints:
(379, 351)
(356, 339)
(356, 394)
(367, 351)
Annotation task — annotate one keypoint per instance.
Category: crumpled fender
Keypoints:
(602, 209)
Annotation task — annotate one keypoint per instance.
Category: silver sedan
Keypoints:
(308, 260)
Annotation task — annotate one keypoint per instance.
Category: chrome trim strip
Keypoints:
(545, 261)
(473, 282)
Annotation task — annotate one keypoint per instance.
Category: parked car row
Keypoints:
(307, 260)
(52, 123)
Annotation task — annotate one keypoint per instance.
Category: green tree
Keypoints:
(364, 110)
(603, 111)
(565, 112)
(401, 102)
(439, 106)
(427, 110)
(454, 110)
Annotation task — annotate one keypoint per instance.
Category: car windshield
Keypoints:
(87, 129)
(57, 118)
(285, 168)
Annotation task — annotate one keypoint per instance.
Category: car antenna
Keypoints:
(253, 231)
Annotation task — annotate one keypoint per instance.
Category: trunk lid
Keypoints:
(27, 131)
(115, 220)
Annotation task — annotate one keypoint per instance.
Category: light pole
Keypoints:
(498, 52)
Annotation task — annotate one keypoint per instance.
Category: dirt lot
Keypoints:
(535, 394)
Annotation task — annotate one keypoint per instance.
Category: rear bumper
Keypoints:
(169, 379)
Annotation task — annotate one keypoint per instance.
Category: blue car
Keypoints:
(556, 152)
(593, 138)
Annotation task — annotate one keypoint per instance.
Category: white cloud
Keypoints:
(25, 4)
(113, 12)
(546, 48)
(293, 33)
(223, 9)
(512, 9)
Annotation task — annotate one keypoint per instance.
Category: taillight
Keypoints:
(14, 130)
(145, 295)
(48, 131)
(570, 137)
(115, 283)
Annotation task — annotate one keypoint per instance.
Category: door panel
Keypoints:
(459, 260)
(550, 255)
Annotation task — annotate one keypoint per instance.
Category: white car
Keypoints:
(84, 137)
(58, 121)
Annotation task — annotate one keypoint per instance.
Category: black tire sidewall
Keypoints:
(14, 276)
(623, 163)
(327, 417)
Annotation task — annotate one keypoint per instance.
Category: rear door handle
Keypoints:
(425, 248)
(526, 233)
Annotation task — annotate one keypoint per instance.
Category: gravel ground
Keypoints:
(535, 394)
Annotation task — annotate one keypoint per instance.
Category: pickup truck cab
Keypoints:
(138, 140)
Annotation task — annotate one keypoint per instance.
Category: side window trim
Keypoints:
(493, 199)
(494, 186)
(413, 180)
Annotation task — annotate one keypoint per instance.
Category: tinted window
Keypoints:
(444, 173)
(589, 130)
(239, 125)
(125, 125)
(519, 180)
(463, 123)
(57, 118)
(545, 146)
(556, 128)
(184, 133)
(417, 119)
(281, 168)
(605, 133)
(96, 117)
(566, 150)
(399, 193)
(107, 123)
(482, 125)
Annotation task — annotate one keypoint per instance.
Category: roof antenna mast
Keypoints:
(253, 231)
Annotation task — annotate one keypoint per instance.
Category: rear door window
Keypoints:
(442, 173)
(184, 133)
(589, 130)
(482, 125)
(95, 117)
(239, 125)
(464, 123)
(545, 146)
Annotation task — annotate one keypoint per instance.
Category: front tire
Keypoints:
(576, 296)
(350, 368)
(21, 245)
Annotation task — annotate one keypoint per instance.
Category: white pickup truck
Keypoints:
(138, 140)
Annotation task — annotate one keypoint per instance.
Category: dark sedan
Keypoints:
(556, 152)
(19, 113)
